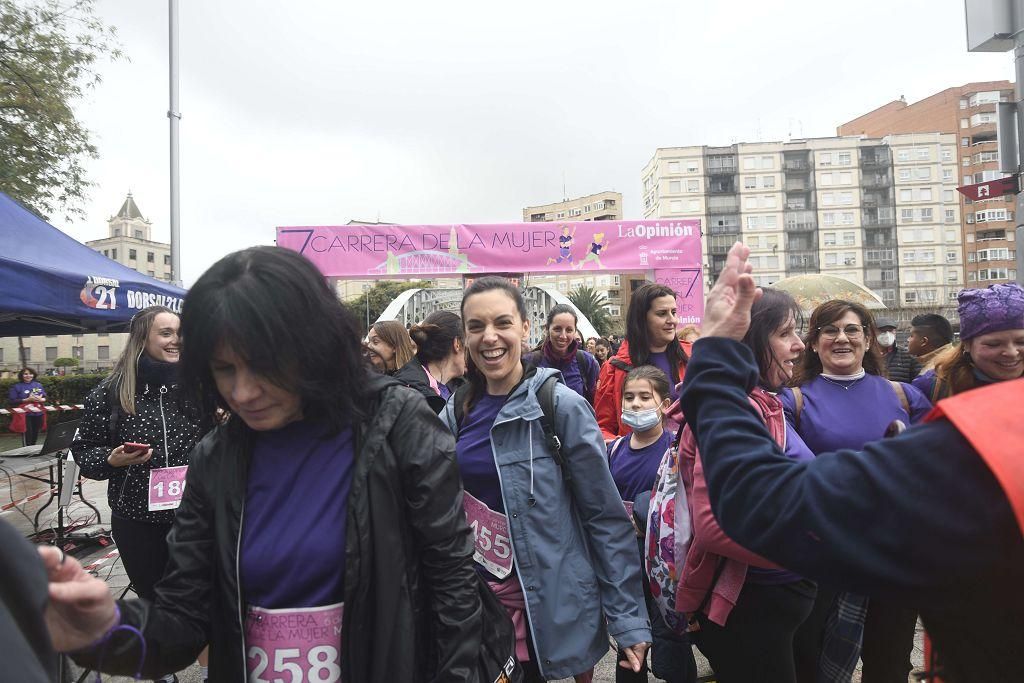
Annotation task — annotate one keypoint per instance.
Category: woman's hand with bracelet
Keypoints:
(81, 610)
(119, 457)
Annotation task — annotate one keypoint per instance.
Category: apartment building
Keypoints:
(617, 287)
(603, 206)
(826, 205)
(969, 113)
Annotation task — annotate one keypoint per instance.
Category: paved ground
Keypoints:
(107, 566)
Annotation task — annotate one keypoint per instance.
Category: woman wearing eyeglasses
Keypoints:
(845, 401)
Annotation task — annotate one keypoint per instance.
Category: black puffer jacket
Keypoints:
(412, 610)
(161, 420)
(901, 366)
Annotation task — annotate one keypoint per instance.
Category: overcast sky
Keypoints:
(314, 113)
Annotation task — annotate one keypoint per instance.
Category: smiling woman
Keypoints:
(560, 349)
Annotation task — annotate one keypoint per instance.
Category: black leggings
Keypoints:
(756, 643)
(33, 423)
(888, 641)
(143, 547)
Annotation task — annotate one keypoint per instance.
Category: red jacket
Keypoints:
(608, 398)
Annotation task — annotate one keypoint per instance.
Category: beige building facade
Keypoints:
(856, 207)
(603, 206)
(968, 113)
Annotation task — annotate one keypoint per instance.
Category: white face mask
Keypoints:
(886, 339)
(641, 420)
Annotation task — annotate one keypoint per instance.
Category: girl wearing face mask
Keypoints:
(634, 462)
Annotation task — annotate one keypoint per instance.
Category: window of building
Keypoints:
(132, 255)
(113, 254)
(964, 123)
(925, 194)
(951, 257)
(831, 259)
(843, 159)
(849, 258)
(923, 173)
(615, 311)
(106, 252)
(561, 214)
(750, 203)
(963, 104)
(749, 163)
(825, 159)
(906, 215)
(947, 196)
(829, 218)
(903, 155)
(906, 195)
(968, 180)
(51, 354)
(693, 205)
(982, 118)
(767, 162)
(691, 167)
(753, 222)
(926, 215)
(167, 259)
(923, 154)
(768, 201)
(693, 186)
(138, 234)
(904, 174)
(150, 257)
(749, 182)
(849, 239)
(845, 178)
(117, 232)
(826, 179)
(673, 167)
(675, 206)
(910, 296)
(947, 175)
(950, 236)
(829, 239)
(575, 212)
(964, 142)
(768, 181)
(78, 352)
(947, 154)
(675, 186)
(103, 352)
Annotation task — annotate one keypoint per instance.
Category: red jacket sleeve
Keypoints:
(607, 403)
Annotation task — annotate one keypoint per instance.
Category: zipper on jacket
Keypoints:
(519, 574)
(238, 585)
(163, 423)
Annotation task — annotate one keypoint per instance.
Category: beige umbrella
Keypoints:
(810, 291)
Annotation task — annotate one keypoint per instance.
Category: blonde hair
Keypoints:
(954, 370)
(124, 377)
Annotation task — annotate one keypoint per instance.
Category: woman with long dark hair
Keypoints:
(137, 433)
(438, 367)
(329, 501)
(553, 540)
(28, 395)
(650, 340)
(560, 349)
(748, 609)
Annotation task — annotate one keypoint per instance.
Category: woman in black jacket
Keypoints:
(437, 369)
(322, 531)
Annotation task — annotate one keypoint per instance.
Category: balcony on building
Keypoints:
(806, 261)
(722, 164)
(797, 162)
(800, 221)
(879, 237)
(808, 242)
(876, 198)
(723, 204)
(724, 224)
(719, 245)
(874, 157)
(537, 217)
(879, 258)
(874, 181)
(722, 184)
(870, 218)
(797, 185)
(983, 134)
(799, 202)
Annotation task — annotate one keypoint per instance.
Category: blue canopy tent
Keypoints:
(52, 284)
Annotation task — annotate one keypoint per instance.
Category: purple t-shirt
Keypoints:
(850, 413)
(296, 510)
(660, 361)
(475, 456)
(634, 471)
(22, 390)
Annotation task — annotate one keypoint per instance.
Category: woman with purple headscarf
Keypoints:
(991, 347)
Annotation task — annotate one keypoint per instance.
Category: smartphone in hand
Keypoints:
(130, 447)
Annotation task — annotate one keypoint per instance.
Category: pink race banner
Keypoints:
(398, 251)
(688, 285)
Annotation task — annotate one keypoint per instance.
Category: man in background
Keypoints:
(902, 366)
(930, 335)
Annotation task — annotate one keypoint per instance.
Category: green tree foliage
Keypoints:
(48, 55)
(594, 306)
(380, 296)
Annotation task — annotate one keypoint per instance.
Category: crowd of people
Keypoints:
(442, 499)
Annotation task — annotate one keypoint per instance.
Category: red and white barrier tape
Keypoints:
(103, 560)
(28, 499)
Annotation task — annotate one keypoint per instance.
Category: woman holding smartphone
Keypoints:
(137, 434)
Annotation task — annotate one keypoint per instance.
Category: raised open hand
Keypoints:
(727, 311)
(81, 609)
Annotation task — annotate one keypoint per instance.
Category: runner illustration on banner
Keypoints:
(565, 244)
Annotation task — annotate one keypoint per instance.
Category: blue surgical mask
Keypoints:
(641, 420)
